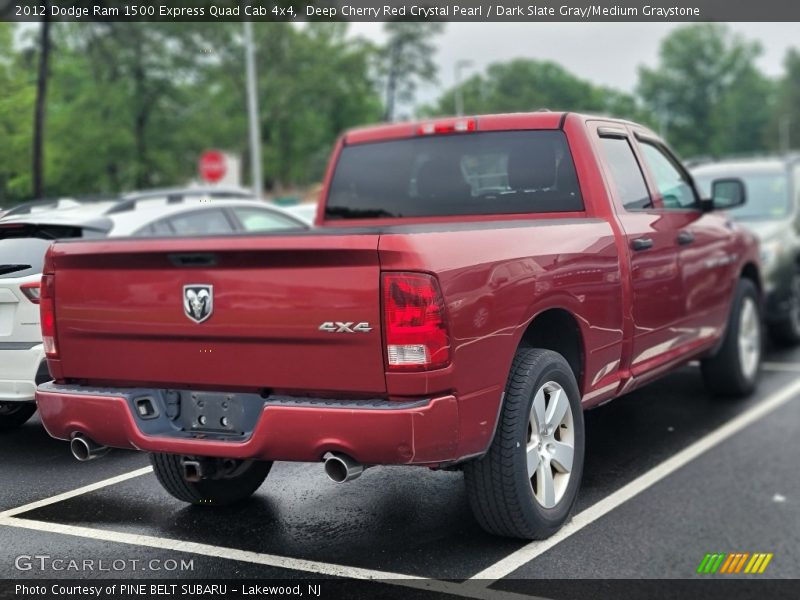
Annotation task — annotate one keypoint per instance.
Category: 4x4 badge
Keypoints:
(198, 301)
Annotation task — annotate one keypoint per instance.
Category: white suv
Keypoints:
(22, 364)
(24, 240)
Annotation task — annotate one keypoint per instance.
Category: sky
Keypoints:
(603, 53)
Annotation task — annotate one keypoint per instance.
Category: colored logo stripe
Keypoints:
(734, 562)
(758, 564)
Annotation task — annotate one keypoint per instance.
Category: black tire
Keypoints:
(723, 373)
(209, 492)
(786, 332)
(499, 488)
(15, 414)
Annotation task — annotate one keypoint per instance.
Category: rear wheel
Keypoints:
(226, 481)
(526, 484)
(733, 370)
(14, 414)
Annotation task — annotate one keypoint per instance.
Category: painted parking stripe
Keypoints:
(482, 579)
(76, 492)
(527, 553)
(465, 590)
(781, 367)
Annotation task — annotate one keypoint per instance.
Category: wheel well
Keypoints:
(557, 330)
(750, 271)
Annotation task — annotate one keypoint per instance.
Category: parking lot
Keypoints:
(671, 475)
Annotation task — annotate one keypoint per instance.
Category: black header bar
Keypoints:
(413, 10)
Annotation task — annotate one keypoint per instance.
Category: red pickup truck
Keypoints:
(474, 284)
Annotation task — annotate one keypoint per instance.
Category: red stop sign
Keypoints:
(212, 166)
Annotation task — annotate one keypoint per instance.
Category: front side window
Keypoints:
(481, 173)
(674, 188)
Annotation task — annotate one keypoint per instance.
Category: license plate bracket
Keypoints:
(211, 412)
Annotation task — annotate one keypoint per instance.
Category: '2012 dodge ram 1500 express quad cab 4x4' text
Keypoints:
(473, 285)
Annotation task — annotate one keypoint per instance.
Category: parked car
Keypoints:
(24, 241)
(192, 215)
(22, 364)
(357, 343)
(37, 206)
(771, 212)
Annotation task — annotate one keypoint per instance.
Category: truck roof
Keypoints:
(542, 119)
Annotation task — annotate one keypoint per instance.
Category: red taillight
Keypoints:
(31, 291)
(414, 322)
(448, 126)
(47, 313)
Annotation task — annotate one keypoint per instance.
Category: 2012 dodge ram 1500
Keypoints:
(474, 284)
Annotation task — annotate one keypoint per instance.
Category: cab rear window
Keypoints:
(461, 174)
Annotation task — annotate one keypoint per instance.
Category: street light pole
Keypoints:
(784, 124)
(459, 93)
(252, 111)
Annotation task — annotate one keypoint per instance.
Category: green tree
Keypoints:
(16, 118)
(704, 84)
(784, 130)
(529, 85)
(313, 83)
(132, 105)
(742, 114)
(406, 61)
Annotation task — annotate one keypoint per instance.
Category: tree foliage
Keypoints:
(785, 122)
(131, 105)
(705, 85)
(406, 61)
(529, 85)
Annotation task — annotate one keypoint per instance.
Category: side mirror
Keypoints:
(726, 194)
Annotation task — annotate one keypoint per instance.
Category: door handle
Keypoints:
(642, 244)
(685, 237)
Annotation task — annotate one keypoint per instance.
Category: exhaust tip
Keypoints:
(340, 468)
(84, 449)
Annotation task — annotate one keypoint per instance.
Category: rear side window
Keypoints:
(201, 222)
(20, 257)
(257, 220)
(627, 175)
(462, 174)
(159, 228)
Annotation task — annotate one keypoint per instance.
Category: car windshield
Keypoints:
(767, 194)
(464, 174)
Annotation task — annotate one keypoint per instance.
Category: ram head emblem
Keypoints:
(198, 301)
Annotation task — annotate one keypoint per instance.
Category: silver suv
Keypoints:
(772, 213)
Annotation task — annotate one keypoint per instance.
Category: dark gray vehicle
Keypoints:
(772, 212)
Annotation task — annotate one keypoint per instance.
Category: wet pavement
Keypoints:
(740, 495)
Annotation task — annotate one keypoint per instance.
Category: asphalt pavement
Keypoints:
(671, 475)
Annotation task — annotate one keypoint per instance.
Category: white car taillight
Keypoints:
(31, 291)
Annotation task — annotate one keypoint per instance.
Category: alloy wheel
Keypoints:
(551, 444)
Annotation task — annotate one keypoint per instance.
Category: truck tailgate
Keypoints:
(124, 312)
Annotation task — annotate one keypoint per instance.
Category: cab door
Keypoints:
(657, 307)
(706, 253)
